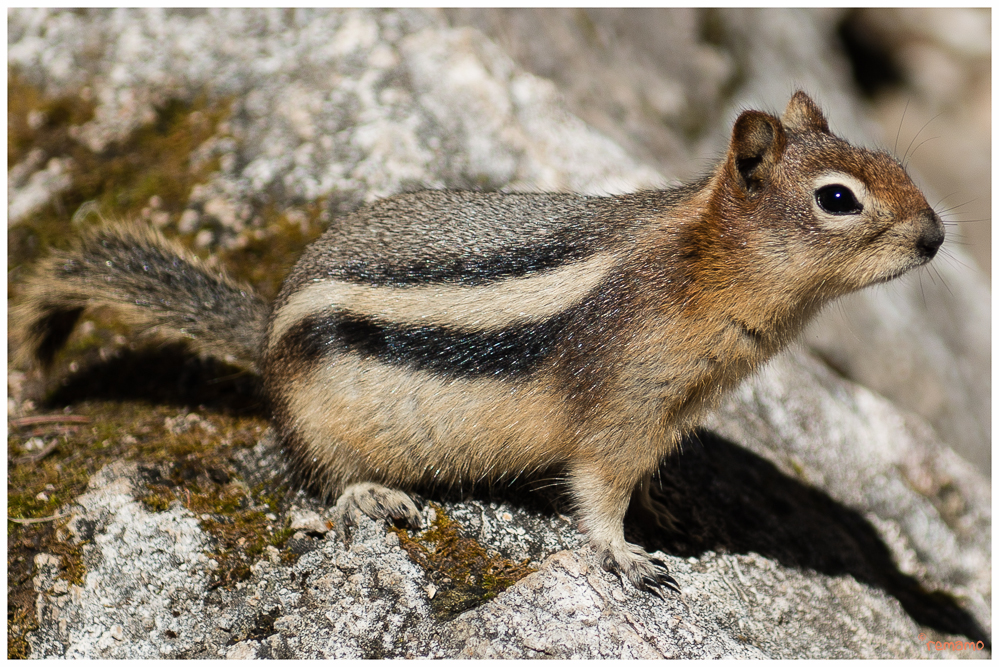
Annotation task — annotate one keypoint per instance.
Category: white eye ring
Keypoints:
(833, 220)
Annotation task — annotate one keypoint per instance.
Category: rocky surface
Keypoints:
(769, 566)
(816, 518)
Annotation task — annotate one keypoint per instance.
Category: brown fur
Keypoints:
(693, 289)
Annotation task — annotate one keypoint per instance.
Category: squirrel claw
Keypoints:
(644, 573)
(377, 502)
(655, 583)
(663, 577)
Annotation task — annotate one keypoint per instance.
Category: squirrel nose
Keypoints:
(931, 235)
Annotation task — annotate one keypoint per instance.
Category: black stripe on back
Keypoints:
(471, 270)
(512, 352)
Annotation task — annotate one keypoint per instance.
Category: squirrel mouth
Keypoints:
(918, 262)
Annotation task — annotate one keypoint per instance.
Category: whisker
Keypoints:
(964, 203)
(968, 221)
(920, 144)
(952, 259)
(906, 157)
(961, 242)
(942, 281)
(939, 201)
(894, 150)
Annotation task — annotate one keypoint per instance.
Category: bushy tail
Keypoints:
(155, 284)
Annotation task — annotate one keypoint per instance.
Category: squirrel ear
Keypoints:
(803, 114)
(758, 142)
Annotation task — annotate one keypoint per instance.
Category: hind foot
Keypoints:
(644, 572)
(374, 501)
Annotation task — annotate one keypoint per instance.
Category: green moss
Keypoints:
(118, 180)
(37, 121)
(158, 499)
(235, 517)
(70, 561)
(117, 431)
(464, 573)
(19, 623)
(200, 474)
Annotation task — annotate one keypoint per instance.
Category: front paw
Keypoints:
(644, 572)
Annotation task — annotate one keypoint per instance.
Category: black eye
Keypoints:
(837, 199)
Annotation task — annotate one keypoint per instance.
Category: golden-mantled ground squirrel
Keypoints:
(441, 337)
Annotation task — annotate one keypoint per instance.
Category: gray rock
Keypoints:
(146, 592)
(146, 577)
(817, 518)
(871, 457)
(571, 609)
(27, 193)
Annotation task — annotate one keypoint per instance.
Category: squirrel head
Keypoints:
(815, 212)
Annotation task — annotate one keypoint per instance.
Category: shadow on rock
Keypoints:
(725, 498)
(164, 375)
